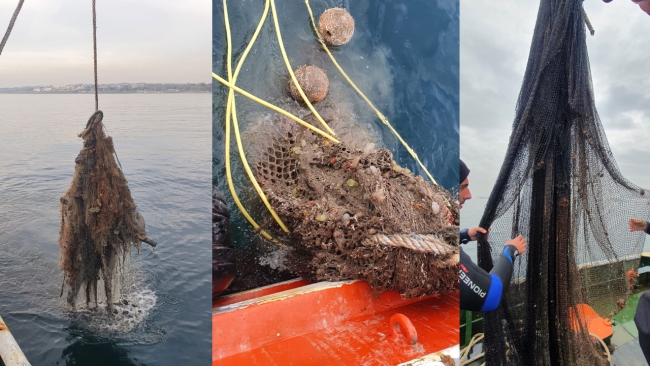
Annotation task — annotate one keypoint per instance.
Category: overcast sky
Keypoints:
(495, 38)
(138, 41)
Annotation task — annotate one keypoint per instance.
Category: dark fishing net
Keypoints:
(100, 222)
(560, 187)
(355, 215)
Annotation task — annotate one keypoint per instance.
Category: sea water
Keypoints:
(163, 144)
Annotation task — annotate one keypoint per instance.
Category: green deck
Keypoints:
(625, 338)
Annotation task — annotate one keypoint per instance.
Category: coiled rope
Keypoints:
(464, 353)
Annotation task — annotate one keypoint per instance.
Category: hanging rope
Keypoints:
(11, 25)
(95, 54)
(95, 74)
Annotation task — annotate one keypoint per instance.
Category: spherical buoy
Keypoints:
(645, 6)
(336, 26)
(313, 82)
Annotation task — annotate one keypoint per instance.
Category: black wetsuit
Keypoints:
(642, 317)
(479, 290)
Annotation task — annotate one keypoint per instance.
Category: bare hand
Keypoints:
(475, 230)
(637, 225)
(519, 243)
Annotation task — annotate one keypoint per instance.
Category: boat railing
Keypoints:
(10, 352)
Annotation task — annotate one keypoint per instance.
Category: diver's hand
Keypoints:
(475, 230)
(519, 243)
(637, 225)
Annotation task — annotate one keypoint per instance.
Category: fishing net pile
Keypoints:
(356, 214)
(100, 223)
(560, 187)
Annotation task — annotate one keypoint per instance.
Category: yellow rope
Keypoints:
(231, 110)
(377, 112)
(227, 152)
(271, 106)
(231, 101)
(293, 77)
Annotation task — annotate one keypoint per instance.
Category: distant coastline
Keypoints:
(122, 88)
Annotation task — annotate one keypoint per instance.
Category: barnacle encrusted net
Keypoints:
(357, 215)
(100, 222)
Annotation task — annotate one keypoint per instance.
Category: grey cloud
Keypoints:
(138, 41)
(495, 40)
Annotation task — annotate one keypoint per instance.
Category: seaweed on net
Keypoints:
(100, 223)
(560, 187)
(356, 214)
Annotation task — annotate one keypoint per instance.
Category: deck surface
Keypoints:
(625, 338)
(350, 328)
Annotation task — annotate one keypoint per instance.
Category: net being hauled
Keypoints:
(560, 187)
(100, 222)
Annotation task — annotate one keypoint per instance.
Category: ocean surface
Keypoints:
(404, 55)
(163, 144)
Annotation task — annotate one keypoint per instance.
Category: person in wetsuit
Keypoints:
(480, 290)
(642, 315)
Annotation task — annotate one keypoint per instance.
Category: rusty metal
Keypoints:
(10, 352)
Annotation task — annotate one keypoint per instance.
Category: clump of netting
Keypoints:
(357, 215)
(100, 223)
(560, 187)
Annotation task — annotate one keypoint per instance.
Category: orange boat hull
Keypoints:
(327, 323)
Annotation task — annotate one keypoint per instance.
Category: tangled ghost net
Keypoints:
(344, 213)
(560, 187)
(100, 222)
(356, 214)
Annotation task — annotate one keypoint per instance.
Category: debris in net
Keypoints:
(336, 25)
(355, 214)
(313, 82)
(559, 187)
(100, 223)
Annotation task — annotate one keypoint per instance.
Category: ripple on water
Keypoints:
(163, 143)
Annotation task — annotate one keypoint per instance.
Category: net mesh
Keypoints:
(100, 222)
(560, 187)
(346, 209)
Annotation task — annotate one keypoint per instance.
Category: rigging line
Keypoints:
(95, 54)
(95, 74)
(229, 106)
(11, 25)
(273, 107)
(233, 110)
(380, 115)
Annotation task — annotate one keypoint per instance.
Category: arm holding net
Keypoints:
(483, 291)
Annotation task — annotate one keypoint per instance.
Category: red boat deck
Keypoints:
(341, 323)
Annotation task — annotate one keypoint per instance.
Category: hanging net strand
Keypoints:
(560, 187)
(11, 25)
